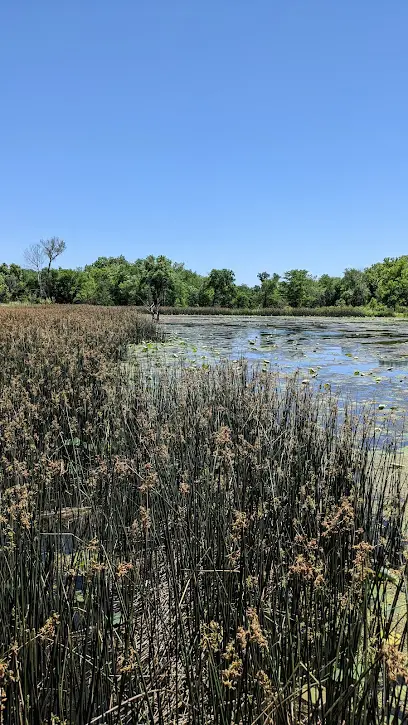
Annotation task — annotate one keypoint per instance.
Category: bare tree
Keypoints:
(52, 249)
(36, 255)
(35, 258)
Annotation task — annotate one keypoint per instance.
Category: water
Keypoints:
(365, 359)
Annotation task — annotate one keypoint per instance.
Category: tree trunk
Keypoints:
(40, 287)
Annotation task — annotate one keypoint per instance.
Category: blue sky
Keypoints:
(261, 135)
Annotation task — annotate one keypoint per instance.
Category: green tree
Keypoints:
(157, 283)
(103, 262)
(388, 281)
(106, 281)
(270, 294)
(222, 284)
(244, 297)
(96, 287)
(15, 281)
(297, 287)
(4, 293)
(205, 294)
(187, 285)
(354, 288)
(130, 288)
(65, 285)
(328, 290)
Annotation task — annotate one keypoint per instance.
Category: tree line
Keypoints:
(157, 281)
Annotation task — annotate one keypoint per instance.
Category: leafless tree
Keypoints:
(35, 258)
(36, 255)
(52, 248)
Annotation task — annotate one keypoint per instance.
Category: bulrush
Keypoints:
(189, 547)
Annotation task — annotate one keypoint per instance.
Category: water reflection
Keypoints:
(364, 359)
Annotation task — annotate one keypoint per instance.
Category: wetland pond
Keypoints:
(365, 359)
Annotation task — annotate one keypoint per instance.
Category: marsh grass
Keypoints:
(200, 546)
(280, 311)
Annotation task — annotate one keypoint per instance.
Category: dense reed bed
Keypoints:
(191, 547)
(274, 311)
(278, 311)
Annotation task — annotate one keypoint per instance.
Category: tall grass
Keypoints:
(279, 311)
(199, 546)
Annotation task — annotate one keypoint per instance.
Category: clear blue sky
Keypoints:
(249, 134)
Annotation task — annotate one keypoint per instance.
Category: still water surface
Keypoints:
(365, 359)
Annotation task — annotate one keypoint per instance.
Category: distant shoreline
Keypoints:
(326, 312)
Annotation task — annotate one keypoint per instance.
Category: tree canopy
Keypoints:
(162, 282)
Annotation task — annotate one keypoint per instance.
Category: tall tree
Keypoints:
(65, 285)
(52, 249)
(355, 291)
(297, 286)
(156, 283)
(388, 281)
(328, 290)
(36, 255)
(3, 288)
(245, 297)
(222, 284)
(35, 258)
(270, 296)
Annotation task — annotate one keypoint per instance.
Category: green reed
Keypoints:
(192, 546)
(277, 311)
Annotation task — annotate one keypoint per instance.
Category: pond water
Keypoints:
(366, 359)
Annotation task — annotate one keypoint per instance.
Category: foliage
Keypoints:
(388, 282)
(116, 281)
(297, 286)
(270, 292)
(354, 288)
(16, 284)
(277, 311)
(328, 292)
(194, 546)
(65, 285)
(243, 297)
(221, 283)
(157, 283)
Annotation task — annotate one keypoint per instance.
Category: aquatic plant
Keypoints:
(194, 546)
(276, 311)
